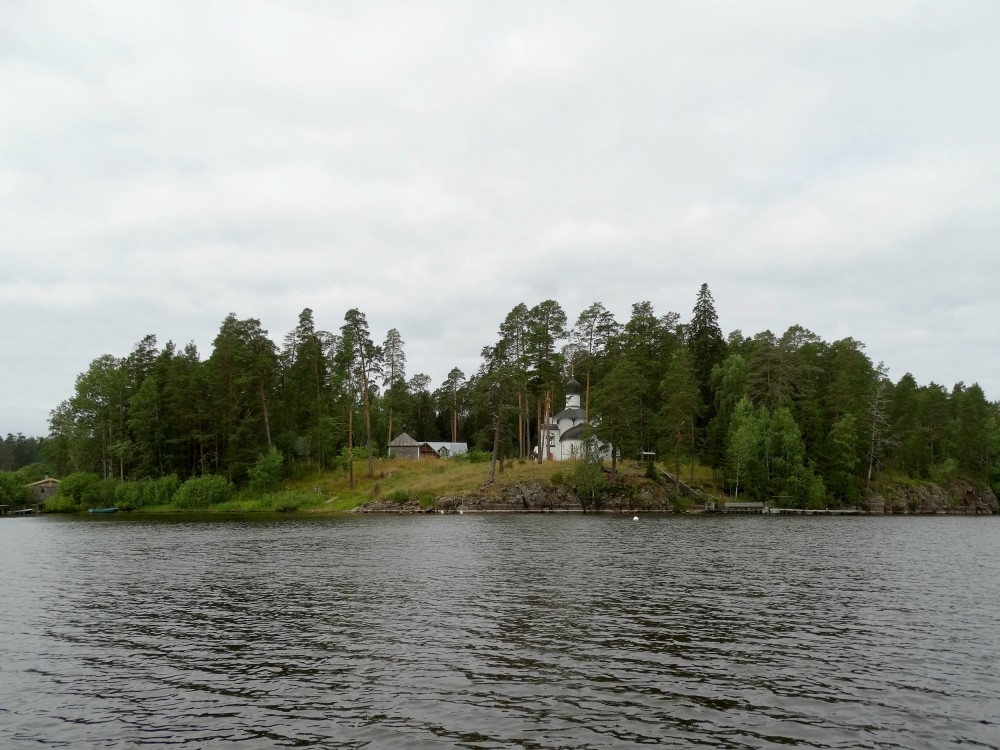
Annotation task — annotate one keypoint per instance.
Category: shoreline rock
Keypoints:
(532, 497)
(958, 498)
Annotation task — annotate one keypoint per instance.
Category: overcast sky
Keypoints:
(830, 164)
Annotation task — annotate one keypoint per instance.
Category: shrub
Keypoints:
(163, 490)
(143, 493)
(266, 473)
(289, 501)
(129, 495)
(475, 457)
(944, 472)
(12, 490)
(679, 504)
(81, 489)
(201, 492)
(60, 503)
(399, 496)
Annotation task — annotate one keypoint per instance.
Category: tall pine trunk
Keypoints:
(350, 446)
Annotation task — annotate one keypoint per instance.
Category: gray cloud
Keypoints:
(434, 164)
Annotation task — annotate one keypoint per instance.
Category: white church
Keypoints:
(566, 429)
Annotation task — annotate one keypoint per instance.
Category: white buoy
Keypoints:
(635, 518)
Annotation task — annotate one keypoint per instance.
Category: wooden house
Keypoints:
(43, 489)
(404, 446)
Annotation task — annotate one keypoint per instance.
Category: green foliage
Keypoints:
(680, 407)
(145, 493)
(129, 495)
(359, 453)
(557, 478)
(766, 457)
(204, 491)
(159, 412)
(842, 459)
(588, 474)
(79, 490)
(474, 456)
(679, 504)
(164, 489)
(807, 490)
(13, 491)
(704, 339)
(400, 496)
(288, 501)
(729, 381)
(60, 503)
(266, 473)
(618, 401)
(744, 448)
(944, 472)
(18, 451)
(31, 473)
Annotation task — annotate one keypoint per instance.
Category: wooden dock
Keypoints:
(815, 511)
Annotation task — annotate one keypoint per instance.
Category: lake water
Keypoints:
(497, 632)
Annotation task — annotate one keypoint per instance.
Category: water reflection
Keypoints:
(499, 632)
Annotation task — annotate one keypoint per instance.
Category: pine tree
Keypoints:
(708, 348)
(590, 336)
(394, 373)
(367, 361)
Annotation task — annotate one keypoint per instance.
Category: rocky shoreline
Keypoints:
(959, 498)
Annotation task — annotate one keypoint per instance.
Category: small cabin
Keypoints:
(43, 489)
(404, 446)
(444, 450)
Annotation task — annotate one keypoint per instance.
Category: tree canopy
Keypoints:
(774, 415)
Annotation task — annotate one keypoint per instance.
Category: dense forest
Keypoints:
(786, 415)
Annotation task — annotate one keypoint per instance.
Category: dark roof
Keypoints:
(573, 433)
(573, 386)
(574, 412)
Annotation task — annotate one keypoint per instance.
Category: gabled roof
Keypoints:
(454, 449)
(47, 480)
(571, 413)
(402, 440)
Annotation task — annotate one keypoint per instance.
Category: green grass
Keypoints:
(423, 480)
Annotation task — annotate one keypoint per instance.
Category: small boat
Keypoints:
(102, 510)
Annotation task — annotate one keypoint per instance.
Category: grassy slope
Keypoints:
(425, 479)
(428, 479)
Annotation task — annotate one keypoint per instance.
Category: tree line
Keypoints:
(775, 416)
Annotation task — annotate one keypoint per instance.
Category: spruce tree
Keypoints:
(708, 348)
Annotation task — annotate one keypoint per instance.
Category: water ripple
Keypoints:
(475, 632)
